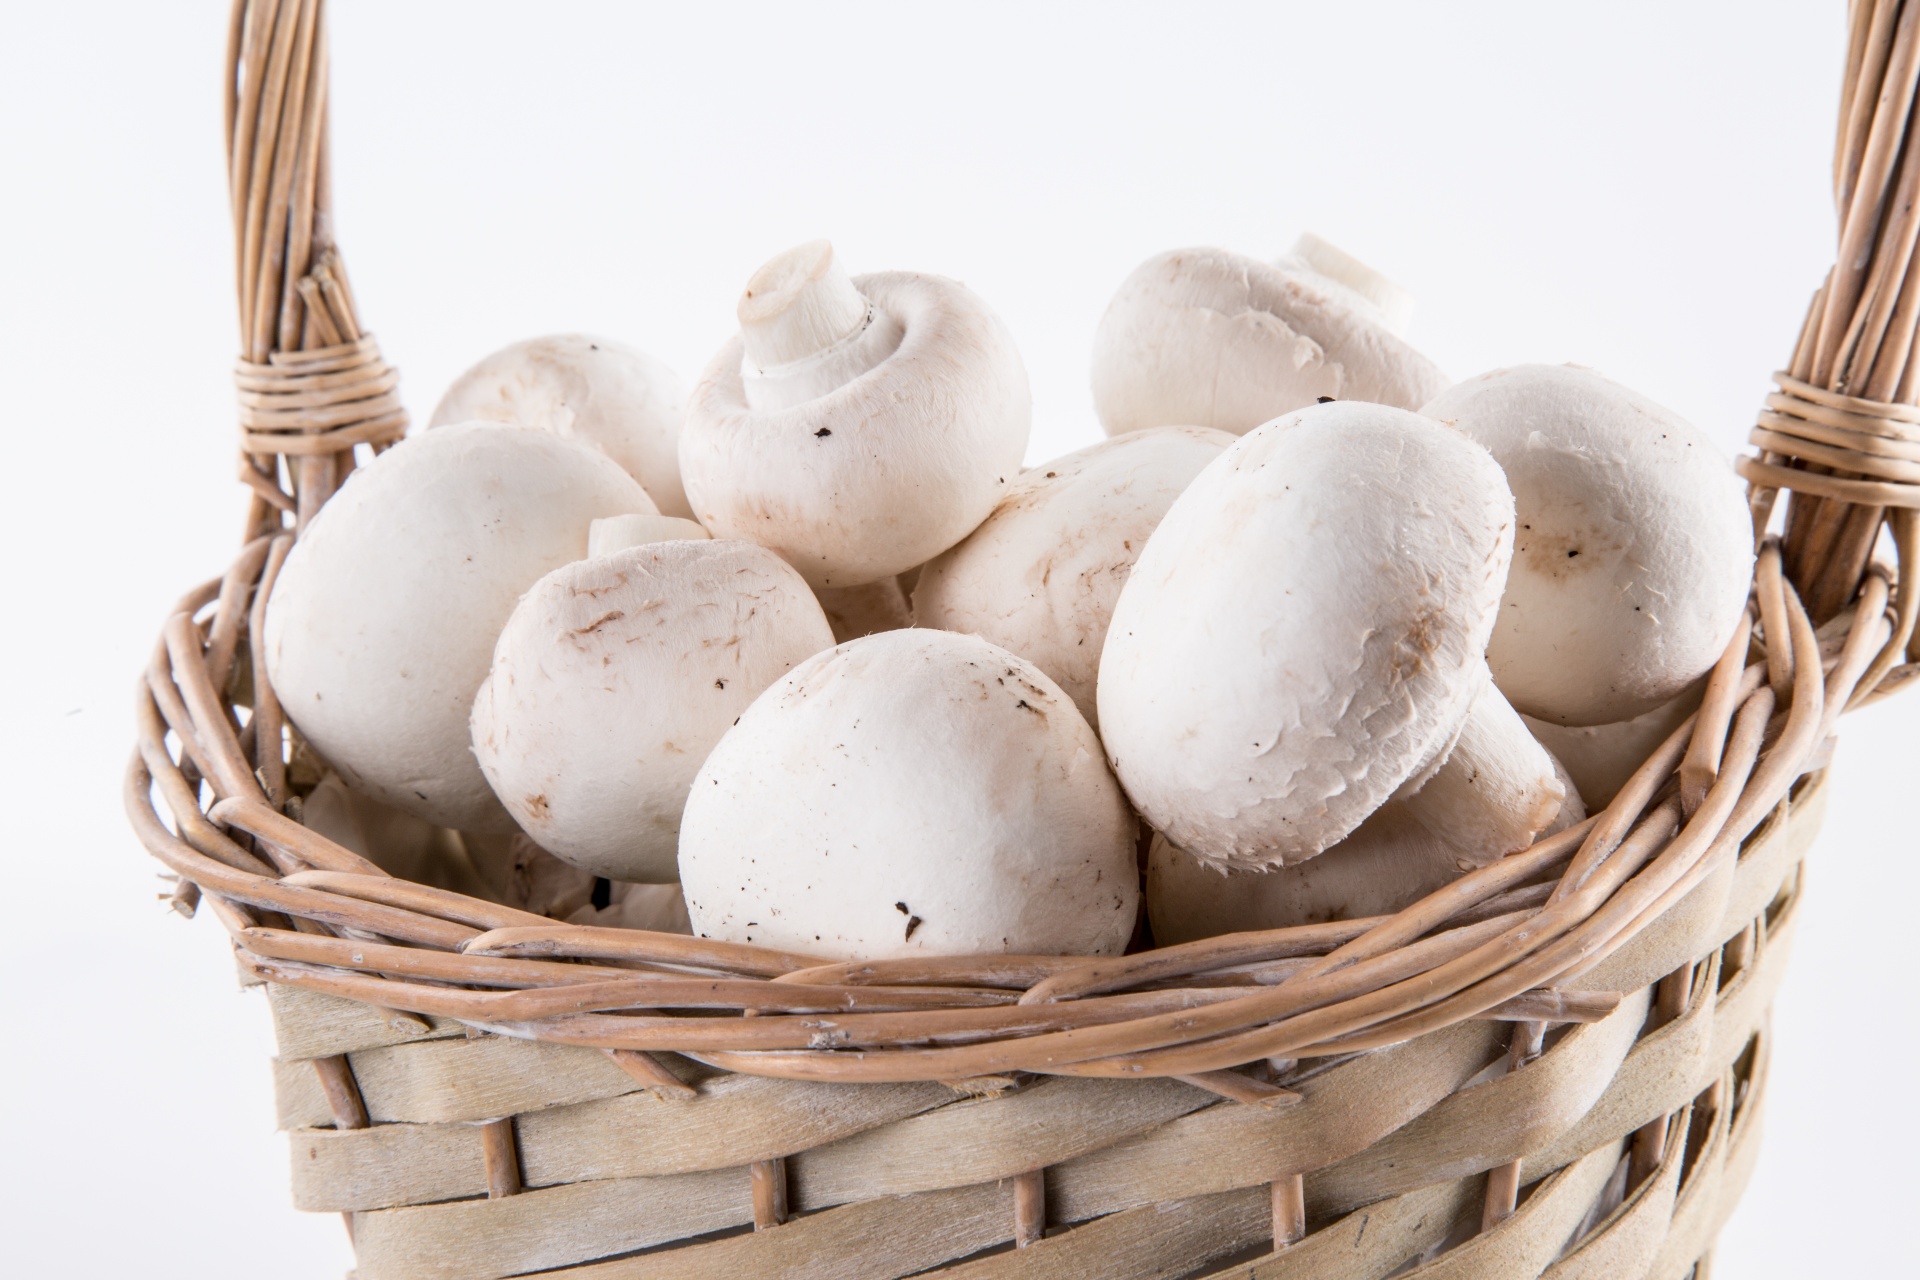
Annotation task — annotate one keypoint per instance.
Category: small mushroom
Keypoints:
(1041, 574)
(1304, 631)
(866, 610)
(1634, 551)
(911, 792)
(1223, 340)
(614, 678)
(1389, 862)
(603, 393)
(1600, 758)
(858, 427)
(382, 621)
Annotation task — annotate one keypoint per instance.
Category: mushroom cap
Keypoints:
(1634, 551)
(1388, 863)
(1304, 631)
(603, 393)
(614, 678)
(382, 621)
(1040, 576)
(1223, 340)
(912, 792)
(883, 472)
(1601, 757)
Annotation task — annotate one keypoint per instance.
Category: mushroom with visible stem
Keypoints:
(615, 676)
(856, 426)
(603, 393)
(913, 792)
(1219, 339)
(1305, 631)
(1634, 551)
(382, 622)
(1040, 576)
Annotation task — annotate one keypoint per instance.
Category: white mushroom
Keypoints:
(1634, 550)
(858, 427)
(382, 622)
(912, 792)
(1304, 631)
(613, 679)
(1041, 575)
(866, 610)
(1389, 862)
(606, 394)
(1497, 787)
(1602, 757)
(1216, 338)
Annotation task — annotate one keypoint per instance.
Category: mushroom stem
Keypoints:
(807, 329)
(1496, 790)
(1393, 303)
(616, 533)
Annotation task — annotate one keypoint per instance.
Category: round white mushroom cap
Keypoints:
(1634, 550)
(1304, 631)
(880, 449)
(1040, 576)
(1219, 339)
(603, 393)
(911, 792)
(382, 622)
(614, 678)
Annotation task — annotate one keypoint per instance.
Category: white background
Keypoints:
(1640, 187)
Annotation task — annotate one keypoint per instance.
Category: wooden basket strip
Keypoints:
(1166, 1240)
(307, 1024)
(985, 1139)
(1628, 1240)
(487, 1239)
(872, 1241)
(1526, 1243)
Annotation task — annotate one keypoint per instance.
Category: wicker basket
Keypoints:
(1553, 1067)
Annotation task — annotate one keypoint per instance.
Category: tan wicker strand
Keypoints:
(1552, 1066)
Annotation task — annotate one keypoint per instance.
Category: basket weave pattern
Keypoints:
(1551, 1067)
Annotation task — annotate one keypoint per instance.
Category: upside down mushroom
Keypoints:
(857, 427)
(1219, 339)
(605, 394)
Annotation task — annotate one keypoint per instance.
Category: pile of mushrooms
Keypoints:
(804, 658)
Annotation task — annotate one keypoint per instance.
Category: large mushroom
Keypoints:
(911, 792)
(1634, 550)
(1303, 635)
(616, 675)
(1219, 339)
(603, 393)
(858, 427)
(1041, 574)
(382, 621)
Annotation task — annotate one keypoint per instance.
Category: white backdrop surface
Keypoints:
(1642, 187)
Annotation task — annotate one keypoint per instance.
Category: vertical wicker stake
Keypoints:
(769, 1192)
(1029, 1207)
(312, 383)
(1842, 430)
(1289, 1210)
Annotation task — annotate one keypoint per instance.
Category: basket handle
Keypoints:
(1841, 430)
(312, 382)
